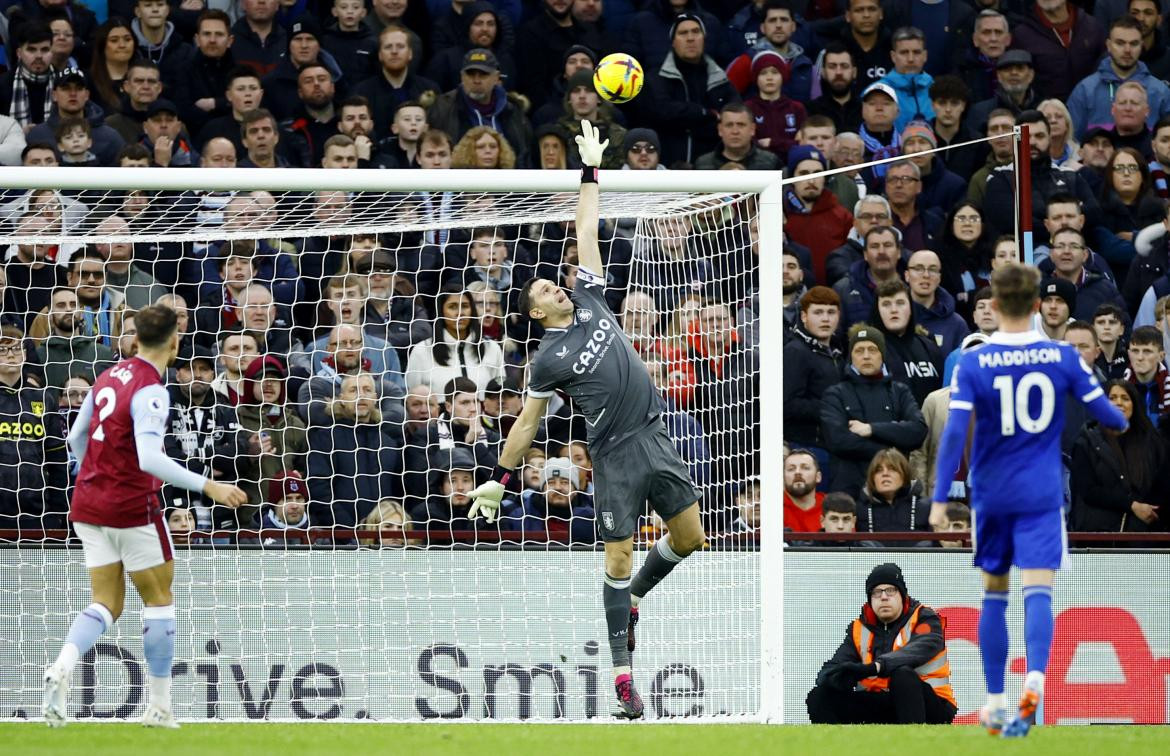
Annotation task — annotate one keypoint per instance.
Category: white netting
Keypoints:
(330, 617)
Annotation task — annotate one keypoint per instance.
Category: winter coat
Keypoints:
(385, 99)
(445, 66)
(913, 92)
(798, 82)
(531, 514)
(921, 648)
(726, 400)
(1120, 217)
(356, 52)
(67, 356)
(648, 32)
(857, 293)
(422, 368)
(1093, 290)
(999, 205)
(888, 406)
(280, 85)
(34, 473)
(910, 510)
(1101, 490)
(945, 326)
(453, 113)
(810, 368)
(1059, 68)
(273, 267)
(841, 259)
(683, 118)
(106, 141)
(981, 110)
(352, 466)
(285, 429)
(757, 159)
(205, 438)
(822, 228)
(941, 188)
(689, 439)
(429, 449)
(1091, 102)
(261, 56)
(205, 78)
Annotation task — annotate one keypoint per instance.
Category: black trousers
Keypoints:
(908, 701)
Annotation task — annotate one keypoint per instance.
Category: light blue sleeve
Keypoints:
(150, 409)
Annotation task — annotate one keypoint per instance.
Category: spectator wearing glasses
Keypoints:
(869, 211)
(919, 226)
(934, 307)
(1068, 255)
(642, 150)
(1129, 204)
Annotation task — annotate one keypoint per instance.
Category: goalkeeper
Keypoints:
(585, 354)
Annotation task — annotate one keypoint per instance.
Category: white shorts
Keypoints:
(137, 548)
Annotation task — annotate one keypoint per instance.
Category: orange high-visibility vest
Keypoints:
(936, 673)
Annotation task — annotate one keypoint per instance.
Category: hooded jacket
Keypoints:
(913, 96)
(531, 514)
(912, 357)
(352, 466)
(945, 325)
(453, 113)
(683, 118)
(1091, 102)
(432, 448)
(356, 52)
(284, 428)
(886, 405)
(106, 141)
(1093, 290)
(250, 51)
(173, 55)
(857, 292)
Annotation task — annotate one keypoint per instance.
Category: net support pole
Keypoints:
(771, 572)
(1024, 194)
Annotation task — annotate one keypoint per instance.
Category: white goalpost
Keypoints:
(382, 602)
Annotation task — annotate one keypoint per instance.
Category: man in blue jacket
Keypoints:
(908, 78)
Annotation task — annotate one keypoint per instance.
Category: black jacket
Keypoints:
(1102, 491)
(34, 475)
(910, 510)
(913, 358)
(921, 648)
(999, 202)
(206, 77)
(810, 368)
(886, 405)
(684, 114)
(205, 438)
(351, 468)
(429, 450)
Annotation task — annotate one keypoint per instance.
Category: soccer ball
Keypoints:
(618, 78)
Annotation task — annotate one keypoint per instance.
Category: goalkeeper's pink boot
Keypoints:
(628, 698)
(630, 643)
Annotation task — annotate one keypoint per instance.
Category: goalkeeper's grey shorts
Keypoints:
(645, 468)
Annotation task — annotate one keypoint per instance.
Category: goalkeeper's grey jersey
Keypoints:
(594, 363)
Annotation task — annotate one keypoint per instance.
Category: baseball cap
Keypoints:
(882, 87)
(70, 76)
(161, 105)
(480, 59)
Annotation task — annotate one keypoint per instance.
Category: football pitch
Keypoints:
(567, 740)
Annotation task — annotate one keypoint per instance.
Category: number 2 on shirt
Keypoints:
(104, 401)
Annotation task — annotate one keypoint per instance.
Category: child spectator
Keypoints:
(410, 123)
(958, 520)
(778, 117)
(747, 506)
(180, 523)
(352, 43)
(74, 141)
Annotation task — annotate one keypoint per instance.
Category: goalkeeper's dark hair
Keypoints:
(1015, 288)
(156, 325)
(440, 349)
(524, 301)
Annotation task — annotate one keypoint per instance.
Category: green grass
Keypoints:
(635, 739)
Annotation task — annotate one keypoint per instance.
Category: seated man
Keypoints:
(559, 509)
(287, 507)
(892, 667)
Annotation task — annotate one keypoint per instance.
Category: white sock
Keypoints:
(68, 657)
(619, 671)
(634, 601)
(996, 701)
(1034, 681)
(160, 691)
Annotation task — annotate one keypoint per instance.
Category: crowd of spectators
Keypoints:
(377, 374)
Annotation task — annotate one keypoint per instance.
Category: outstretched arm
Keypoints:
(486, 498)
(589, 200)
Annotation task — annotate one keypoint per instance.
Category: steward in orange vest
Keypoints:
(892, 667)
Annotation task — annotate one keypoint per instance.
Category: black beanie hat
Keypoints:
(885, 574)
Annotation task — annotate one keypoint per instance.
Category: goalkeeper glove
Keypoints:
(486, 499)
(589, 144)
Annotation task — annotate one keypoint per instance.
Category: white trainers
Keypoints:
(56, 703)
(156, 716)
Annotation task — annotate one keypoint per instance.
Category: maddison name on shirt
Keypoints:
(1038, 356)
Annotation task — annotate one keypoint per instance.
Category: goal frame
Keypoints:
(768, 185)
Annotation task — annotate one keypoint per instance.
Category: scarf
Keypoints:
(20, 108)
(881, 151)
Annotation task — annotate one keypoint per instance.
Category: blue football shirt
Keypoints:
(1015, 385)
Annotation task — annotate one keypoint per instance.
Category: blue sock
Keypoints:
(87, 627)
(158, 639)
(1038, 626)
(993, 639)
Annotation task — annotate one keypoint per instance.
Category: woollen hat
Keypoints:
(687, 17)
(862, 332)
(920, 129)
(802, 152)
(766, 58)
(886, 574)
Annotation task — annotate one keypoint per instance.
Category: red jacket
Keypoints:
(822, 228)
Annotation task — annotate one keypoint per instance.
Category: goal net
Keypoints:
(352, 354)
